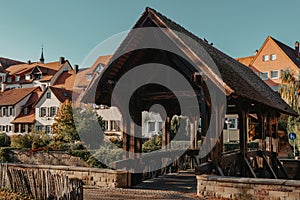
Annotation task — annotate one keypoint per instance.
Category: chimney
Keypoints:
(29, 62)
(256, 51)
(76, 67)
(61, 60)
(297, 49)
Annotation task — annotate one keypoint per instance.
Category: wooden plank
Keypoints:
(268, 165)
(249, 168)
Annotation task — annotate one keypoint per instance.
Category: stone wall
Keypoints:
(247, 188)
(90, 176)
(46, 158)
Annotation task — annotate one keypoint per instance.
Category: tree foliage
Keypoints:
(64, 126)
(289, 91)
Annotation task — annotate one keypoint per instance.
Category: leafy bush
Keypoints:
(152, 144)
(4, 154)
(4, 140)
(31, 140)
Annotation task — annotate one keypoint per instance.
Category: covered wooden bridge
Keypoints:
(244, 92)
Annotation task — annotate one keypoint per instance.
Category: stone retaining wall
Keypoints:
(90, 176)
(247, 188)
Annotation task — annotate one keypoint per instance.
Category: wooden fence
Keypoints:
(40, 183)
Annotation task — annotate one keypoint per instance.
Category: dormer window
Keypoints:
(17, 78)
(27, 77)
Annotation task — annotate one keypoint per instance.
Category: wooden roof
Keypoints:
(239, 78)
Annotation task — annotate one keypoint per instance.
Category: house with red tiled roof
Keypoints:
(12, 104)
(273, 57)
(47, 107)
(35, 74)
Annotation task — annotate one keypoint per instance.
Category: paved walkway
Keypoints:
(173, 186)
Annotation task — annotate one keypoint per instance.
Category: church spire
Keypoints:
(42, 56)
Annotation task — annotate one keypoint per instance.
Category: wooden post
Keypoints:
(166, 133)
(125, 139)
(243, 139)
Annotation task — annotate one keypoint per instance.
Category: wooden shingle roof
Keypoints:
(237, 76)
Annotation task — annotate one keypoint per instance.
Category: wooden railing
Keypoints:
(40, 184)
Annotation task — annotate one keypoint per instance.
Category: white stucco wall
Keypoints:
(44, 102)
(150, 117)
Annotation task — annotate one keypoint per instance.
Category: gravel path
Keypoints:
(173, 186)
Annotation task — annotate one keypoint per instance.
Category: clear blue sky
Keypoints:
(72, 28)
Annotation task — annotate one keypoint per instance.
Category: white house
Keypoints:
(112, 118)
(152, 124)
(11, 106)
(47, 106)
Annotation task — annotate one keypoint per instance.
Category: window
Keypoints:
(275, 74)
(39, 128)
(10, 111)
(48, 129)
(273, 57)
(3, 128)
(159, 127)
(275, 88)
(231, 123)
(105, 125)
(265, 58)
(27, 77)
(52, 111)
(17, 78)
(88, 77)
(3, 111)
(48, 95)
(9, 129)
(25, 111)
(264, 75)
(151, 127)
(9, 79)
(114, 125)
(23, 128)
(43, 112)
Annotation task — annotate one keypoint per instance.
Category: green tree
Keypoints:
(64, 126)
(289, 90)
(89, 126)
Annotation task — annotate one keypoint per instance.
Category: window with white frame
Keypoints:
(9, 79)
(27, 77)
(23, 128)
(273, 57)
(3, 110)
(114, 125)
(265, 58)
(151, 126)
(17, 78)
(48, 95)
(10, 111)
(105, 124)
(231, 123)
(275, 74)
(43, 112)
(264, 75)
(52, 111)
(48, 129)
(159, 124)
